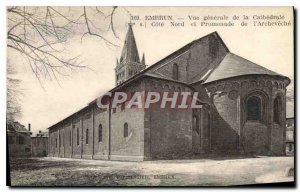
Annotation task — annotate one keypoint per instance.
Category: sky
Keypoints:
(270, 47)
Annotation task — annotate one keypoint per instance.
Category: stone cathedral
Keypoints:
(243, 109)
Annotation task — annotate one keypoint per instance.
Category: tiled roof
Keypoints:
(233, 65)
(17, 127)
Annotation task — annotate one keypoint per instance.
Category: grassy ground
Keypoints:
(72, 172)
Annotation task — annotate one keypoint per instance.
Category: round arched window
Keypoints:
(196, 124)
(254, 108)
(100, 133)
(125, 129)
(277, 110)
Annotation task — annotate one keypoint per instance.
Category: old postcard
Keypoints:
(150, 96)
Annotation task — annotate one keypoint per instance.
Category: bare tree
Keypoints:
(39, 34)
(13, 108)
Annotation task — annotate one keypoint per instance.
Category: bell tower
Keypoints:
(129, 63)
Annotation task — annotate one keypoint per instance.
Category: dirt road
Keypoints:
(204, 172)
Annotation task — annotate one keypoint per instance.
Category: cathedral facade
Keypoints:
(242, 111)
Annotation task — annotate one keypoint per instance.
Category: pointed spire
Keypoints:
(130, 51)
(143, 59)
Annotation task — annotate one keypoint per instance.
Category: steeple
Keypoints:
(143, 59)
(129, 63)
(130, 52)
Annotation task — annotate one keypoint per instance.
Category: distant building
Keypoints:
(290, 122)
(290, 136)
(19, 141)
(39, 144)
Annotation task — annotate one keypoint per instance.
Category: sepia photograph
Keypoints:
(126, 96)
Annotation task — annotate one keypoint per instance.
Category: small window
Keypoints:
(175, 71)
(70, 137)
(125, 129)
(277, 110)
(21, 140)
(77, 136)
(196, 124)
(59, 140)
(87, 136)
(290, 147)
(100, 133)
(56, 142)
(254, 108)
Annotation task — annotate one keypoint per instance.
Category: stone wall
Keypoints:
(113, 146)
(132, 146)
(87, 133)
(231, 131)
(168, 132)
(39, 146)
(70, 136)
(202, 140)
(76, 142)
(101, 150)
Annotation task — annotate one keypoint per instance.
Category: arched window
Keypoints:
(59, 140)
(254, 108)
(175, 71)
(100, 133)
(77, 136)
(70, 137)
(277, 110)
(196, 124)
(87, 136)
(125, 129)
